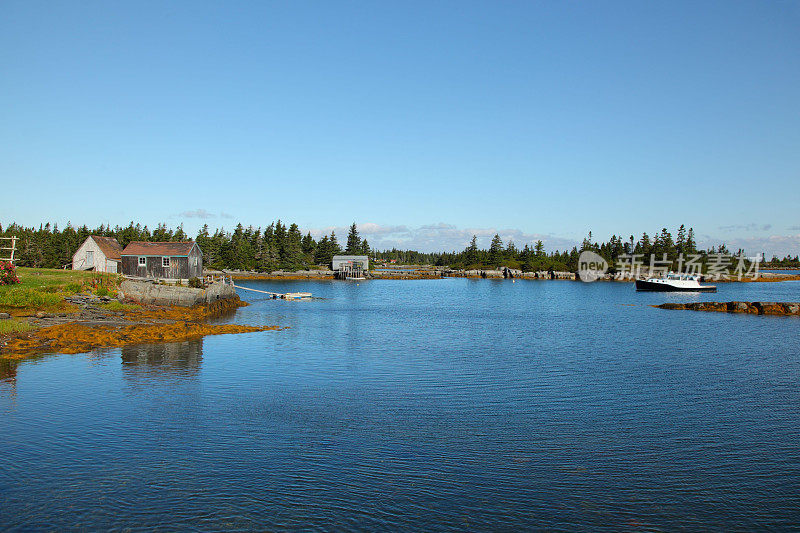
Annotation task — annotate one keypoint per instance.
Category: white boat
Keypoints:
(673, 282)
(297, 296)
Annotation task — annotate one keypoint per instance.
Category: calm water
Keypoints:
(421, 405)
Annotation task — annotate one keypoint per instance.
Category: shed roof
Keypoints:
(165, 249)
(109, 246)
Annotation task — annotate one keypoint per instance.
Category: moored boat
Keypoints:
(674, 283)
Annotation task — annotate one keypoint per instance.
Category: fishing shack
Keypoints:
(349, 266)
(98, 253)
(162, 260)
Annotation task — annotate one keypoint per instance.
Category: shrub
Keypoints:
(195, 283)
(8, 274)
(102, 291)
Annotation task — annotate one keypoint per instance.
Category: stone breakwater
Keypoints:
(751, 308)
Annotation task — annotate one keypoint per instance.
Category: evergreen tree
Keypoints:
(293, 258)
(335, 249)
(680, 242)
(691, 245)
(322, 250)
(353, 241)
(471, 253)
(496, 251)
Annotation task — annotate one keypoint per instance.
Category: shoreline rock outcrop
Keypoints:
(752, 308)
(149, 293)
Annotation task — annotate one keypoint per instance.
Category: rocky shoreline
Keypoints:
(751, 308)
(144, 313)
(403, 274)
(438, 273)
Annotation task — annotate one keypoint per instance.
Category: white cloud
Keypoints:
(197, 213)
(441, 237)
(747, 227)
(779, 245)
(203, 214)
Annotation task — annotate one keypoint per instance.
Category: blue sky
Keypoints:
(423, 122)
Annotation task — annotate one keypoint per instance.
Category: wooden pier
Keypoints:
(273, 295)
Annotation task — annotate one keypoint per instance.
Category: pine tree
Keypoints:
(680, 242)
(335, 249)
(471, 253)
(322, 250)
(691, 245)
(353, 241)
(496, 251)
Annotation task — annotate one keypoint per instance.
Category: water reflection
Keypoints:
(177, 359)
(8, 369)
(8, 375)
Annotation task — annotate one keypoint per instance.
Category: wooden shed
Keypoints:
(162, 260)
(350, 266)
(101, 254)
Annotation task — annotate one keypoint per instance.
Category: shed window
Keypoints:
(142, 261)
(165, 261)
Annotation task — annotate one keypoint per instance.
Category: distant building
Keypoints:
(350, 266)
(162, 260)
(101, 254)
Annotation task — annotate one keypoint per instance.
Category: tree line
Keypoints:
(279, 246)
(276, 247)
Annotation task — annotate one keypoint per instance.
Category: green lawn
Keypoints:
(61, 280)
(44, 288)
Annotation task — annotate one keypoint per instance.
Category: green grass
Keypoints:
(44, 288)
(20, 297)
(62, 280)
(14, 325)
(118, 306)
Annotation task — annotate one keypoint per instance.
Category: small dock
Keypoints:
(273, 295)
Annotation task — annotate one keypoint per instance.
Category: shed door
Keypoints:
(90, 258)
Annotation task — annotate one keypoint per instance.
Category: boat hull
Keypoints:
(644, 285)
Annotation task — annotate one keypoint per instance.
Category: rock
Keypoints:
(150, 293)
(41, 314)
(672, 306)
(759, 308)
(769, 308)
(4, 316)
(740, 307)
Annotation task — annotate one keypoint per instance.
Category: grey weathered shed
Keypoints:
(162, 260)
(346, 266)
